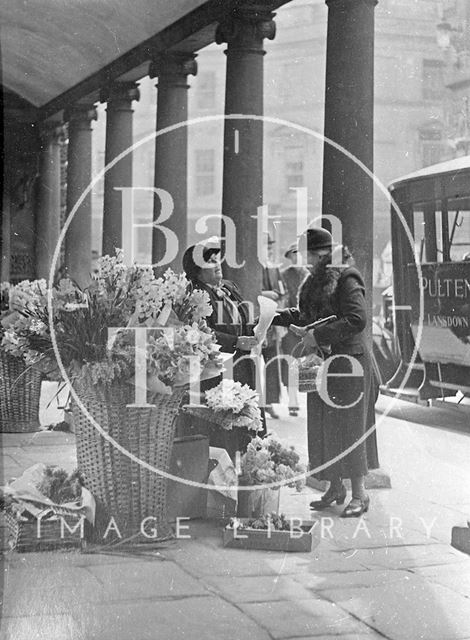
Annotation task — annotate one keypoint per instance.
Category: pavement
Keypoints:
(391, 574)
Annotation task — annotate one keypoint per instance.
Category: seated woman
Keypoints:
(231, 324)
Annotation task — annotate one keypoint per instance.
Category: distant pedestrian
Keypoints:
(273, 288)
(293, 276)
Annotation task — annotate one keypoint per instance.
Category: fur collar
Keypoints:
(316, 294)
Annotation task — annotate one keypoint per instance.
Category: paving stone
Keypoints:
(184, 619)
(456, 577)
(204, 560)
(47, 590)
(326, 558)
(366, 635)
(357, 533)
(52, 439)
(413, 608)
(44, 627)
(407, 556)
(137, 580)
(258, 589)
(311, 617)
(75, 558)
(323, 581)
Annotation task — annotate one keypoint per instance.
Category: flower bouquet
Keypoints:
(118, 300)
(230, 404)
(21, 314)
(270, 532)
(266, 461)
(46, 508)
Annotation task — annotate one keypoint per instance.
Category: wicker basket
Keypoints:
(20, 390)
(22, 535)
(308, 366)
(124, 489)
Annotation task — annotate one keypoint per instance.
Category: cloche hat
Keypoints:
(318, 238)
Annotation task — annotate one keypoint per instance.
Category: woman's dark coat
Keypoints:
(332, 430)
(229, 320)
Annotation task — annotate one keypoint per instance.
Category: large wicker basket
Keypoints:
(125, 490)
(20, 390)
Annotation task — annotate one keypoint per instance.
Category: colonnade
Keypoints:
(347, 192)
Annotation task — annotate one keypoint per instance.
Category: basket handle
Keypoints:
(296, 352)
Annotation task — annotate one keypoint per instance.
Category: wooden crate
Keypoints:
(275, 541)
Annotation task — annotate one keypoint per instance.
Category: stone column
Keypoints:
(119, 97)
(171, 151)
(349, 115)
(48, 212)
(78, 236)
(244, 33)
(5, 244)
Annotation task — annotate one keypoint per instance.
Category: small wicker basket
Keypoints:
(20, 390)
(59, 532)
(308, 366)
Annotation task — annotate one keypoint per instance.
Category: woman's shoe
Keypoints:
(328, 498)
(356, 508)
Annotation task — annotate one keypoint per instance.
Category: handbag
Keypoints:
(308, 365)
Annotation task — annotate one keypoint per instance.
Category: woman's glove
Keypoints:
(307, 336)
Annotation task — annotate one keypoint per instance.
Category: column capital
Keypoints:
(51, 132)
(120, 95)
(349, 4)
(81, 114)
(248, 25)
(173, 67)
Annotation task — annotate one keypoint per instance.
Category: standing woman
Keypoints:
(336, 425)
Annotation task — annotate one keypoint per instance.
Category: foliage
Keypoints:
(272, 521)
(119, 297)
(60, 487)
(267, 461)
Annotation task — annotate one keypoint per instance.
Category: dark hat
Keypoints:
(318, 238)
(292, 248)
(191, 257)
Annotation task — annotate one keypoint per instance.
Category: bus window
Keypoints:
(459, 229)
(427, 219)
(418, 224)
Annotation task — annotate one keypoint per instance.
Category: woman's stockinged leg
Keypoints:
(336, 483)
(358, 487)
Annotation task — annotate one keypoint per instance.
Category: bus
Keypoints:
(433, 339)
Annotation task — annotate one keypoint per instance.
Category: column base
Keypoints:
(375, 479)
(461, 539)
